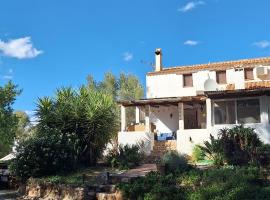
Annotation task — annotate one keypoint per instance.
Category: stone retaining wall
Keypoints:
(46, 191)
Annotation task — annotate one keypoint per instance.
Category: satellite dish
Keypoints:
(210, 85)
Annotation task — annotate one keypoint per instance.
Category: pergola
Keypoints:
(148, 103)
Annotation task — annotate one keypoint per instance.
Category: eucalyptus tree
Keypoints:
(8, 120)
(124, 87)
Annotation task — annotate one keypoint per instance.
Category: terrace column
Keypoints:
(147, 119)
(137, 115)
(181, 115)
(123, 118)
(264, 109)
(208, 114)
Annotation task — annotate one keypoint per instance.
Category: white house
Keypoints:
(185, 104)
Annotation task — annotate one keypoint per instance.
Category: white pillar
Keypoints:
(264, 110)
(181, 115)
(123, 118)
(208, 114)
(137, 115)
(147, 119)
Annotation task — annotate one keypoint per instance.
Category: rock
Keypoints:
(110, 196)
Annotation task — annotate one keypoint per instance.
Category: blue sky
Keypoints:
(46, 44)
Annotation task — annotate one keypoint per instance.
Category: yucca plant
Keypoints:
(88, 114)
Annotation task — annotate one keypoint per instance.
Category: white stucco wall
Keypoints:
(160, 116)
(171, 85)
(130, 138)
(187, 139)
(198, 136)
(168, 85)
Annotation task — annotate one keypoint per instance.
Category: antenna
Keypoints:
(151, 64)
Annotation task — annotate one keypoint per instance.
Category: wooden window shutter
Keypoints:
(249, 74)
(221, 77)
(188, 81)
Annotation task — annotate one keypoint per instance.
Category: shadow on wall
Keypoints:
(166, 119)
(139, 138)
(263, 131)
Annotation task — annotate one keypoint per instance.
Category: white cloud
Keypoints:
(127, 56)
(262, 44)
(190, 6)
(191, 43)
(20, 48)
(8, 77)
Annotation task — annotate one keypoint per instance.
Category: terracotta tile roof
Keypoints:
(246, 63)
(251, 85)
(257, 85)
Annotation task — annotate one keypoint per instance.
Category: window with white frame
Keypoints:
(243, 111)
(224, 112)
(248, 111)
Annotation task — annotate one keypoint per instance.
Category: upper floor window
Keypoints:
(249, 74)
(187, 80)
(221, 77)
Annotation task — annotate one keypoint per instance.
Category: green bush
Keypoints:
(213, 150)
(88, 114)
(235, 146)
(152, 187)
(228, 183)
(48, 154)
(124, 157)
(174, 162)
(190, 178)
(264, 154)
(197, 153)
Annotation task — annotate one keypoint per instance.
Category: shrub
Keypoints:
(190, 178)
(174, 162)
(264, 155)
(88, 114)
(48, 154)
(235, 146)
(197, 153)
(230, 183)
(153, 186)
(213, 150)
(125, 157)
(226, 183)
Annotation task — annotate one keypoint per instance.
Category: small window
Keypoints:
(187, 80)
(249, 74)
(224, 112)
(248, 111)
(221, 77)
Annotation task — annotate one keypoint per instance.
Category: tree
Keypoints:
(24, 125)
(87, 115)
(130, 88)
(8, 120)
(124, 87)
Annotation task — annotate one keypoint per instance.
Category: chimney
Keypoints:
(158, 66)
